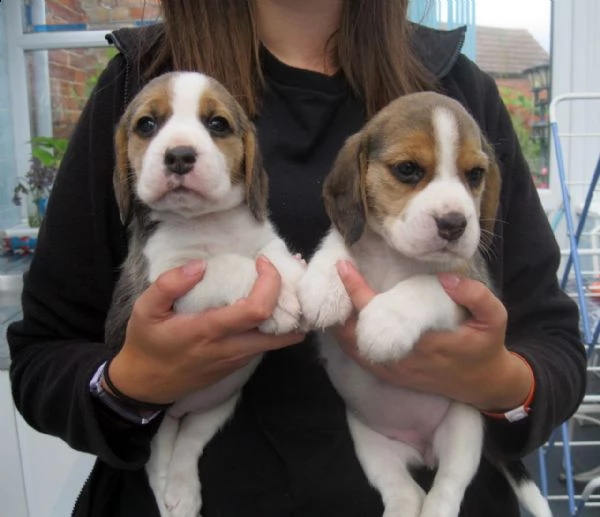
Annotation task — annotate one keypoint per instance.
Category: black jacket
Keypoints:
(287, 450)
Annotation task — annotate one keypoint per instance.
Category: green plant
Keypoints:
(522, 114)
(46, 155)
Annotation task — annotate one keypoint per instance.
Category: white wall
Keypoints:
(576, 69)
(40, 476)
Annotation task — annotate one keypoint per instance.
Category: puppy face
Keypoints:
(420, 175)
(185, 146)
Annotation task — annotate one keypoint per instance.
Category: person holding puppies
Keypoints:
(309, 74)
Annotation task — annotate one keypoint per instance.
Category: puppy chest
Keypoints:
(171, 247)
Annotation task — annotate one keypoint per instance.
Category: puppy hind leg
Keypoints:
(157, 467)
(385, 463)
(457, 445)
(182, 495)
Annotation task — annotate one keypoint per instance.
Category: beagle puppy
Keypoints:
(414, 193)
(190, 185)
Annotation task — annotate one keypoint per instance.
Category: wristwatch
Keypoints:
(126, 411)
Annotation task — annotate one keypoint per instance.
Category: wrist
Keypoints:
(135, 377)
(512, 386)
(126, 410)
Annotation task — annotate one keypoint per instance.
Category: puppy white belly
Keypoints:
(405, 415)
(216, 394)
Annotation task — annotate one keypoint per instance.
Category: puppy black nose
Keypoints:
(451, 225)
(180, 160)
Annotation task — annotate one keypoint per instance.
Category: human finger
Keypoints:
(157, 301)
(475, 297)
(254, 342)
(249, 312)
(358, 289)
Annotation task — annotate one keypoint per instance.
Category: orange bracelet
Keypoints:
(521, 412)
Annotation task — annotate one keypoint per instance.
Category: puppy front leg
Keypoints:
(385, 462)
(286, 316)
(323, 297)
(390, 325)
(228, 277)
(182, 494)
(457, 444)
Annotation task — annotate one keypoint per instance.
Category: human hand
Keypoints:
(470, 364)
(167, 356)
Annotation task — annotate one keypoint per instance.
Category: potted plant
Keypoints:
(35, 185)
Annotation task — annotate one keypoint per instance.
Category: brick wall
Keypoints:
(74, 72)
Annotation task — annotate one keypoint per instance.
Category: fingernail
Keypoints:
(261, 263)
(449, 280)
(193, 268)
(344, 267)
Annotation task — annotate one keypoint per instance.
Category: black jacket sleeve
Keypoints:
(542, 320)
(58, 345)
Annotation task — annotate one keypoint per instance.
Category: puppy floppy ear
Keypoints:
(491, 193)
(121, 179)
(344, 189)
(255, 177)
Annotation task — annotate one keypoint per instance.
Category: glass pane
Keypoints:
(60, 81)
(513, 46)
(59, 15)
(59, 84)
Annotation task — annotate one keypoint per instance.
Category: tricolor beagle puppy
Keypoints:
(190, 184)
(412, 194)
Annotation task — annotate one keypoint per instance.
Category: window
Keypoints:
(55, 50)
(513, 45)
(54, 53)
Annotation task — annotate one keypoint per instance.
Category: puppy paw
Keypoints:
(182, 497)
(286, 316)
(323, 298)
(287, 313)
(386, 331)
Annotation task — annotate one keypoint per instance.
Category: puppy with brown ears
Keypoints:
(190, 184)
(412, 194)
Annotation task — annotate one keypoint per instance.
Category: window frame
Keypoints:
(19, 43)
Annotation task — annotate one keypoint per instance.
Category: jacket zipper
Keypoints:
(112, 38)
(452, 61)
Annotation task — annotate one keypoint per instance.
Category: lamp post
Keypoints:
(539, 80)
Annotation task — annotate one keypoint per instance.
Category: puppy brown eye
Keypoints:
(146, 126)
(218, 125)
(408, 172)
(474, 176)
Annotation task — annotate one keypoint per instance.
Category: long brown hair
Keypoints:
(220, 38)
